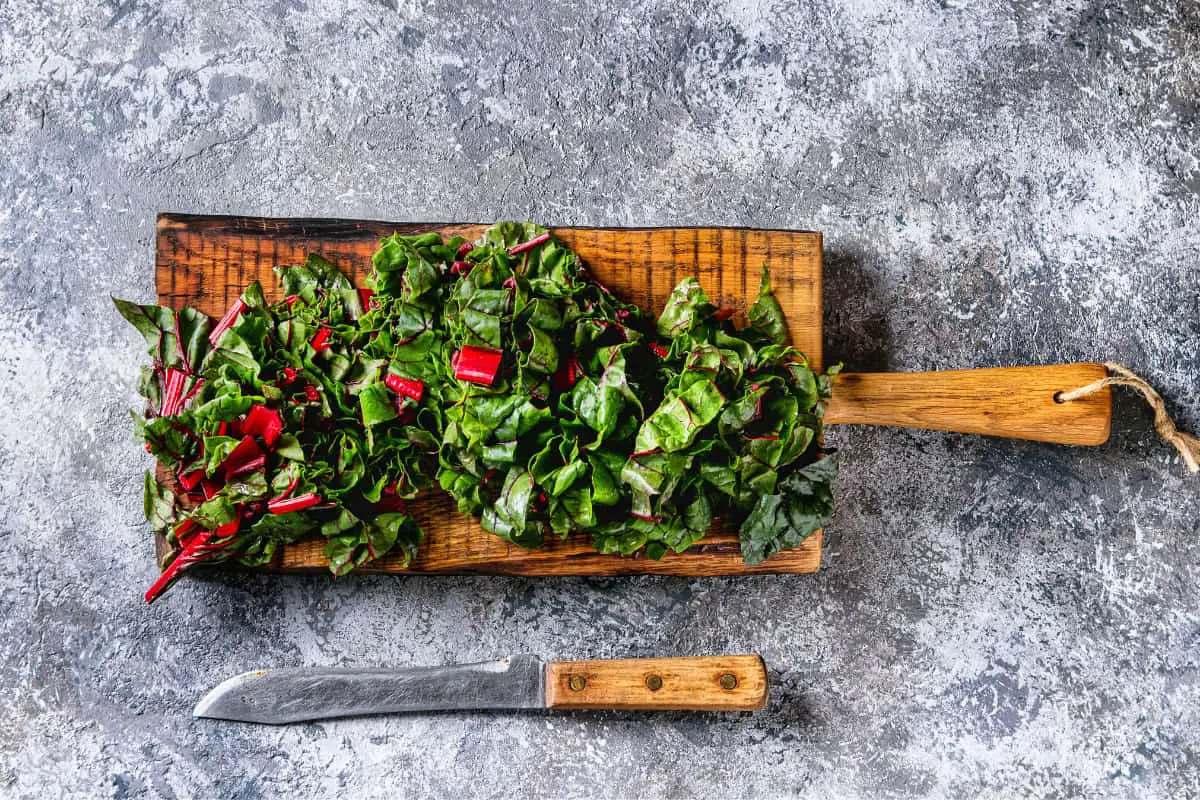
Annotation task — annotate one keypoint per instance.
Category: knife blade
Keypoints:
(520, 682)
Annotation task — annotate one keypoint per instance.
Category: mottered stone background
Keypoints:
(998, 183)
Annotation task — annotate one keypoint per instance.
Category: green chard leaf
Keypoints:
(784, 520)
(159, 506)
(766, 316)
(686, 303)
(378, 405)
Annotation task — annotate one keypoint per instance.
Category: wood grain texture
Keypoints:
(1014, 402)
(704, 683)
(205, 262)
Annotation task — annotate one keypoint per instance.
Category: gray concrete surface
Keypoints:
(998, 182)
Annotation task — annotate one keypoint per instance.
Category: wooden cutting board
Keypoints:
(206, 261)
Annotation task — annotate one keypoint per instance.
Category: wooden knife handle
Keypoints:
(704, 683)
(1015, 402)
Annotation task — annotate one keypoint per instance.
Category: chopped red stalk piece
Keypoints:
(532, 243)
(405, 386)
(291, 299)
(246, 457)
(567, 374)
(461, 267)
(624, 314)
(192, 536)
(222, 429)
(172, 391)
(264, 422)
(189, 480)
(210, 487)
(391, 503)
(659, 350)
(477, 364)
(311, 394)
(149, 449)
(177, 377)
(320, 341)
(288, 505)
(177, 399)
(291, 487)
(364, 297)
(196, 548)
(510, 282)
(227, 321)
(175, 568)
(287, 376)
(723, 314)
(190, 394)
(184, 529)
(168, 576)
(646, 517)
(465, 248)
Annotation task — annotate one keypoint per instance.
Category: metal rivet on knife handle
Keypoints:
(654, 682)
(729, 681)
(577, 683)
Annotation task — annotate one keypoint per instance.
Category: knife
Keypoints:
(704, 683)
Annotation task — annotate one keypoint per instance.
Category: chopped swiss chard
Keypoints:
(594, 427)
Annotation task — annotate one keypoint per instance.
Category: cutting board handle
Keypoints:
(704, 683)
(1014, 402)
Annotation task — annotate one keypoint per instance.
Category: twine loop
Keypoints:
(1187, 445)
